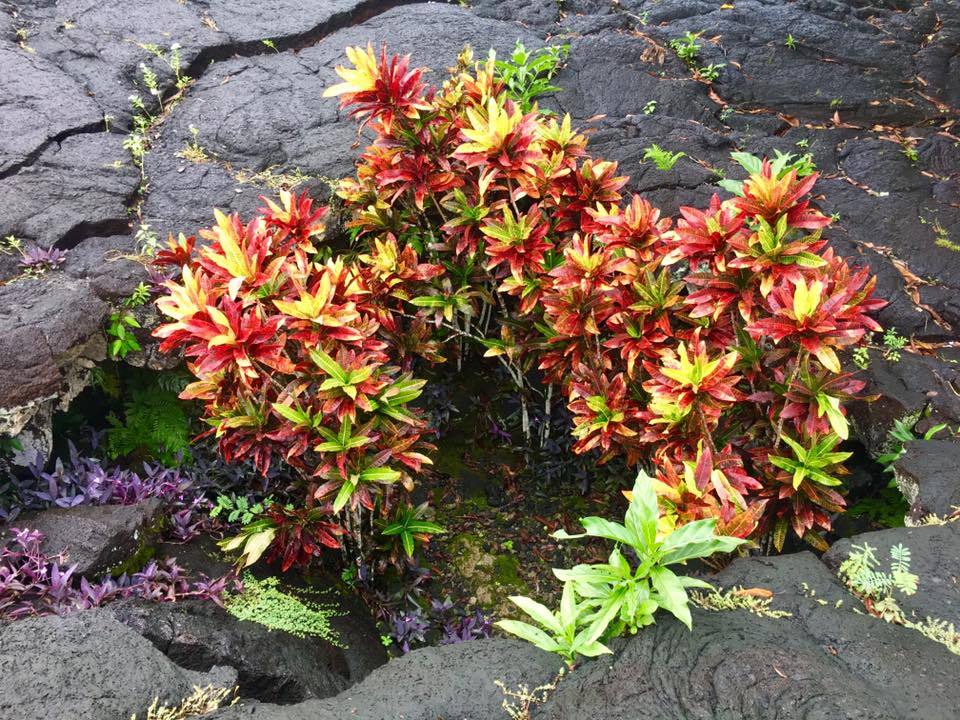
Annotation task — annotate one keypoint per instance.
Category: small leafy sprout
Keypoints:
(408, 525)
(909, 151)
(508, 545)
(687, 48)
(527, 73)
(10, 244)
(710, 72)
(790, 42)
(238, 508)
(605, 600)
(37, 261)
(147, 241)
(726, 113)
(893, 343)
(836, 102)
(650, 108)
(861, 357)
(663, 159)
(194, 151)
(122, 322)
(270, 44)
(803, 143)
(903, 432)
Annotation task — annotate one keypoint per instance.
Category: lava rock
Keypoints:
(87, 666)
(98, 539)
(927, 475)
(823, 661)
(934, 558)
(451, 681)
(908, 387)
(272, 665)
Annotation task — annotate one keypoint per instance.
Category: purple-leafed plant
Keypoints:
(33, 583)
(37, 260)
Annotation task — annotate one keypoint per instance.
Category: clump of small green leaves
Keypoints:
(527, 73)
(663, 159)
(650, 108)
(264, 602)
(790, 42)
(147, 241)
(893, 343)
(861, 574)
(710, 72)
(122, 323)
(909, 151)
(902, 432)
(606, 600)
(687, 48)
(861, 357)
(270, 44)
(238, 508)
(10, 245)
(201, 701)
(155, 425)
(738, 598)
(409, 526)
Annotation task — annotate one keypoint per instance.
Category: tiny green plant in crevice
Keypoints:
(909, 151)
(266, 603)
(193, 151)
(123, 322)
(663, 159)
(270, 44)
(202, 701)
(893, 343)
(146, 240)
(527, 73)
(604, 601)
(790, 42)
(754, 600)
(861, 357)
(710, 72)
(650, 108)
(687, 48)
(903, 432)
(943, 238)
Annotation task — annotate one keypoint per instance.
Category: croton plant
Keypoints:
(704, 348)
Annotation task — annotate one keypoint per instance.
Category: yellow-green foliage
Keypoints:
(203, 700)
(262, 601)
(736, 598)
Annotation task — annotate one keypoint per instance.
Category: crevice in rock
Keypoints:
(55, 140)
(84, 230)
(295, 42)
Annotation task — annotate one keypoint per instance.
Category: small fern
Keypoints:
(155, 424)
(860, 572)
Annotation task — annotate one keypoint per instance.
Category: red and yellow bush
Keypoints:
(705, 347)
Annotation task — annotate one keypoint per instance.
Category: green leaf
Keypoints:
(529, 633)
(256, 545)
(330, 366)
(671, 594)
(643, 513)
(343, 497)
(694, 540)
(407, 540)
(540, 613)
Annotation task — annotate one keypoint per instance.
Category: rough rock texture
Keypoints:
(861, 82)
(272, 666)
(99, 539)
(451, 681)
(87, 666)
(928, 475)
(935, 558)
(822, 662)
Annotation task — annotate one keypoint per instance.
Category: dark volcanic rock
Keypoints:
(822, 662)
(928, 475)
(39, 105)
(451, 681)
(74, 189)
(49, 336)
(935, 559)
(97, 538)
(905, 388)
(273, 666)
(87, 666)
(268, 111)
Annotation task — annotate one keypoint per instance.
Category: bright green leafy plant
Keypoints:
(602, 601)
